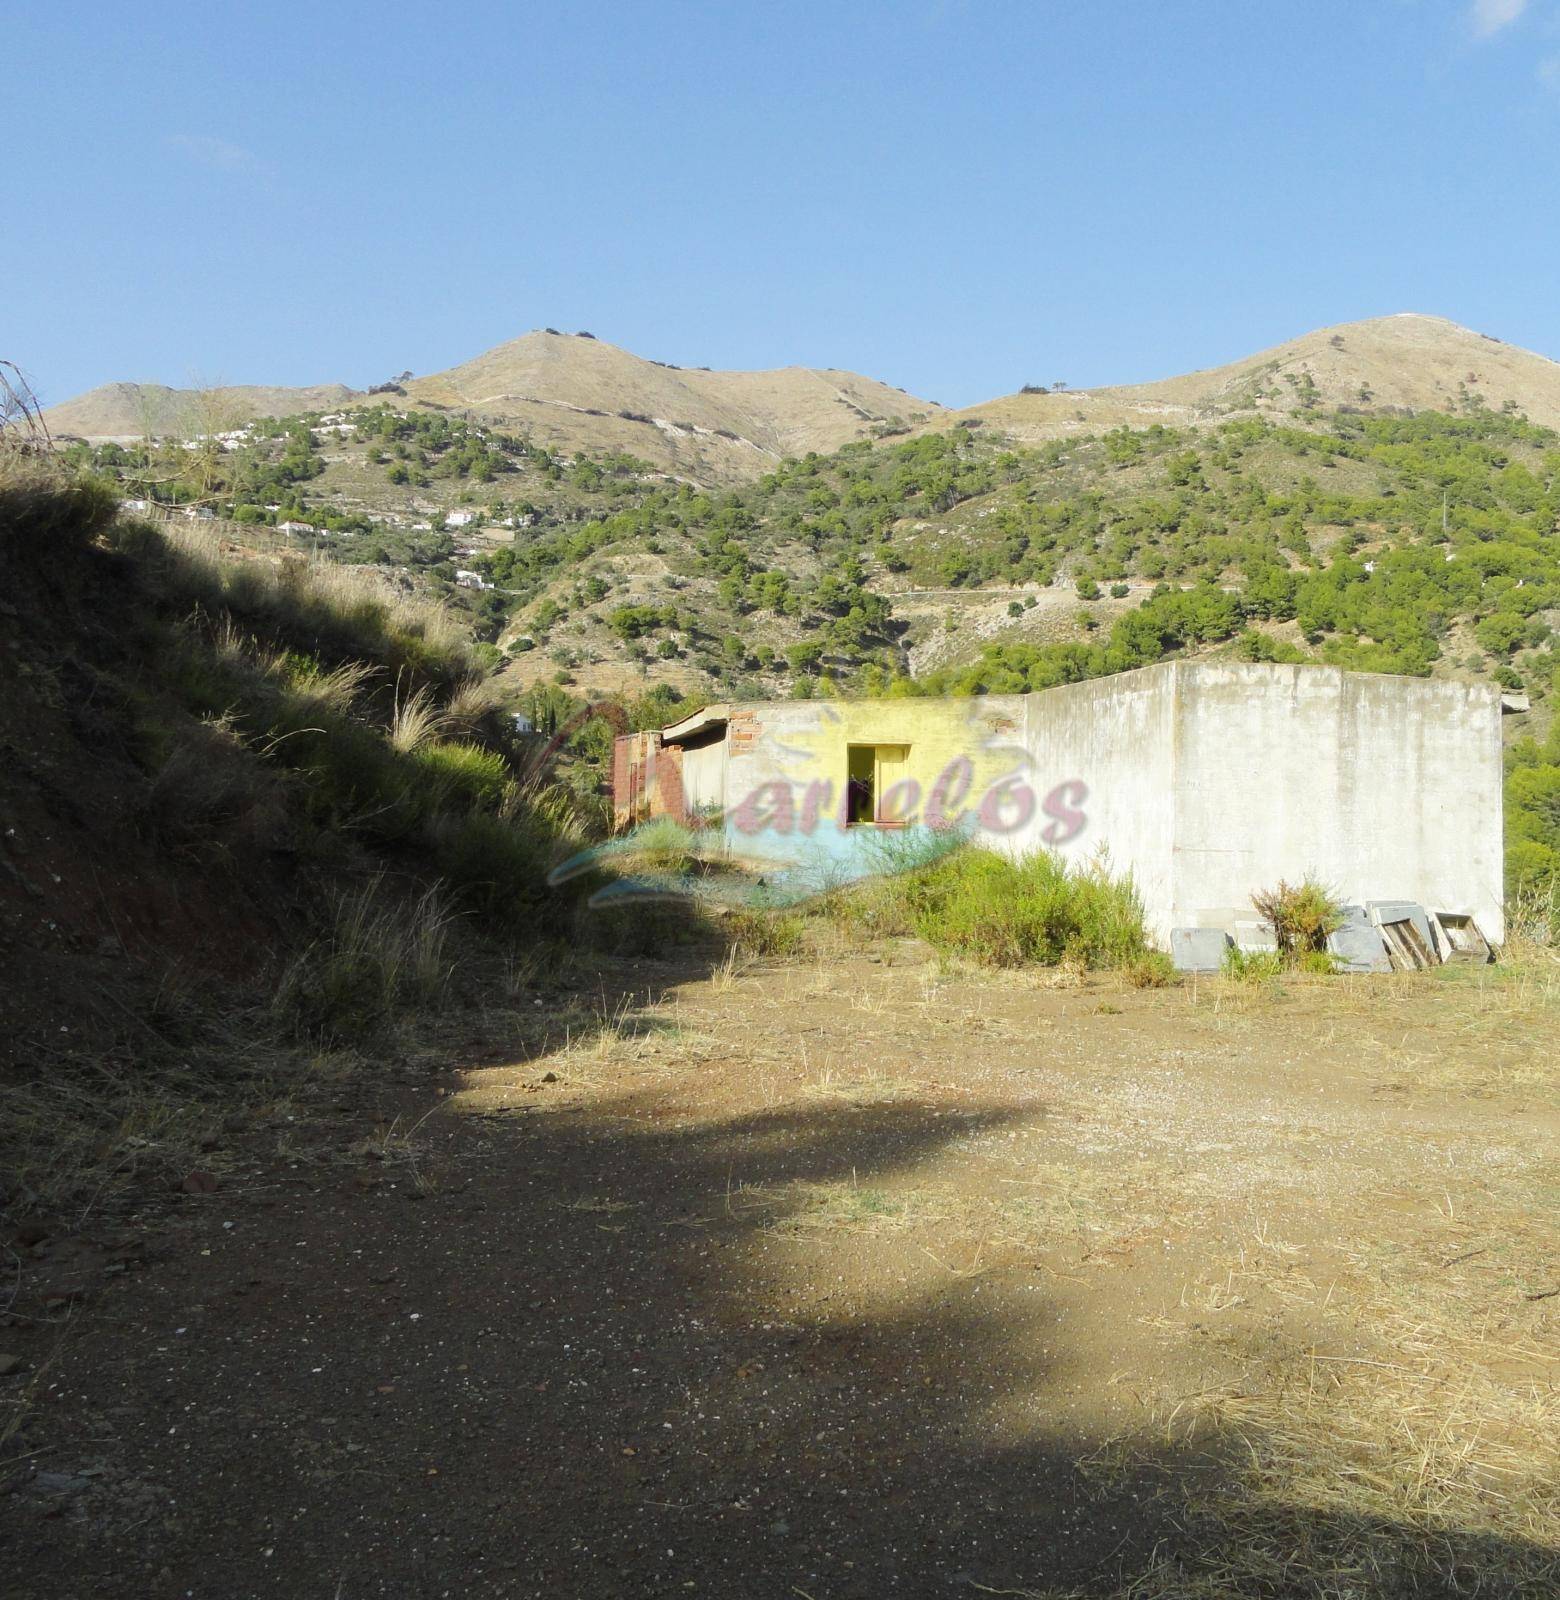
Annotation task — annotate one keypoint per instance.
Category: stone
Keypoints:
(61, 1482)
(1357, 947)
(1198, 949)
(1252, 934)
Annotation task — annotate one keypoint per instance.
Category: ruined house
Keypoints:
(1206, 780)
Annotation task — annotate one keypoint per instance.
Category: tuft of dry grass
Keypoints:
(359, 599)
(382, 952)
(143, 1113)
(871, 1088)
(416, 721)
(469, 705)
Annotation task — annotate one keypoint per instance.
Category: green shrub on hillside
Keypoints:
(1533, 816)
(44, 518)
(1252, 966)
(463, 777)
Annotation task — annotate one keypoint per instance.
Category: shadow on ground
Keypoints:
(586, 1362)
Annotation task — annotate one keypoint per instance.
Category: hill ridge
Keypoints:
(1402, 361)
(571, 392)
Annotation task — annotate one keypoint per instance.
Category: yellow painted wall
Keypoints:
(802, 744)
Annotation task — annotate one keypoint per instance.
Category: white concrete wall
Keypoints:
(1383, 787)
(1113, 737)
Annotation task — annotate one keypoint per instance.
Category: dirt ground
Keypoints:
(838, 1279)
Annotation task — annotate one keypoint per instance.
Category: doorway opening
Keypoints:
(872, 770)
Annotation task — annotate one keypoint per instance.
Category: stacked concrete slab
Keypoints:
(1356, 944)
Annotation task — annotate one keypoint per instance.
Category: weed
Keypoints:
(1252, 966)
(416, 722)
(463, 777)
(1317, 962)
(661, 845)
(869, 1089)
(1300, 915)
(1153, 969)
(1533, 914)
(381, 954)
(767, 933)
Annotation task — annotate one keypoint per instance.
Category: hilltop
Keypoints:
(1406, 362)
(574, 394)
(569, 392)
(130, 411)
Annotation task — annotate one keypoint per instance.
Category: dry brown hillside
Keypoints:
(127, 411)
(570, 392)
(575, 392)
(1415, 362)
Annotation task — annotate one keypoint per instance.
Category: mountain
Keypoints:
(575, 392)
(570, 392)
(1406, 362)
(129, 411)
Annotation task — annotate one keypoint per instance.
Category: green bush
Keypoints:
(1252, 966)
(767, 933)
(660, 845)
(498, 868)
(991, 909)
(1318, 962)
(1151, 970)
(43, 516)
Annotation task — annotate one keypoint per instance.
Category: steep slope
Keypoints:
(1407, 361)
(569, 392)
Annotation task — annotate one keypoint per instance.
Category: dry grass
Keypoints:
(382, 953)
(142, 1116)
(417, 721)
(330, 692)
(869, 1088)
(471, 703)
(846, 1205)
(1370, 1477)
(724, 978)
(1410, 1446)
(330, 585)
(603, 1040)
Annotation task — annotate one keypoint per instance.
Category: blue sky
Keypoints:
(956, 197)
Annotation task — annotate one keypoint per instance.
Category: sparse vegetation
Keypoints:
(987, 908)
(1253, 966)
(1301, 916)
(295, 732)
(379, 955)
